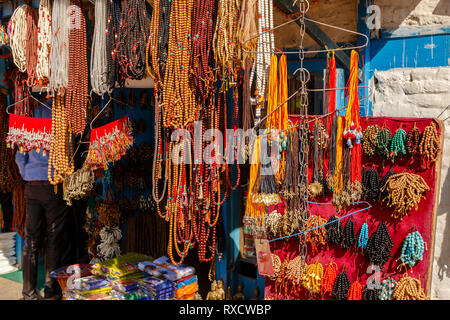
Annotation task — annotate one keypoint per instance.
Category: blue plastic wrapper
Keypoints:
(183, 283)
(162, 267)
(89, 283)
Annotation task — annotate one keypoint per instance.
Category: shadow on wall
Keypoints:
(444, 259)
(393, 13)
(443, 8)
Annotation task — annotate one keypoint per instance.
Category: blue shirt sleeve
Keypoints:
(21, 160)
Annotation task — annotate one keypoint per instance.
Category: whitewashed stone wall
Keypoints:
(413, 12)
(423, 92)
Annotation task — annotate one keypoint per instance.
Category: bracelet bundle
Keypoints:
(405, 190)
(78, 185)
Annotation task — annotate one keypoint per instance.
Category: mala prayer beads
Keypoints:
(349, 236)
(295, 272)
(371, 294)
(413, 140)
(363, 236)
(383, 182)
(281, 278)
(371, 184)
(408, 288)
(387, 288)
(316, 237)
(405, 190)
(429, 146)
(379, 246)
(341, 286)
(313, 277)
(412, 250)
(329, 278)
(356, 291)
(398, 144)
(370, 139)
(59, 165)
(334, 230)
(384, 138)
(276, 265)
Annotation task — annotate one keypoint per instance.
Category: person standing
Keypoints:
(46, 219)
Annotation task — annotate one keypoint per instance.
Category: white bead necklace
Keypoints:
(99, 64)
(18, 33)
(59, 55)
(44, 40)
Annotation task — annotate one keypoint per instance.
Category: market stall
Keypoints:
(175, 127)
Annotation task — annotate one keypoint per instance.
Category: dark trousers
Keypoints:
(46, 218)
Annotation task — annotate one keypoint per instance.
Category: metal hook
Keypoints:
(98, 114)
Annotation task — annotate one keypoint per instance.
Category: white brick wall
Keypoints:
(423, 92)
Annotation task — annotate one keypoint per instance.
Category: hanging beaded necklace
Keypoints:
(226, 46)
(348, 234)
(429, 147)
(328, 279)
(341, 286)
(405, 190)
(59, 165)
(387, 288)
(312, 279)
(17, 30)
(413, 141)
(77, 89)
(412, 250)
(356, 291)
(371, 184)
(132, 40)
(334, 230)
(178, 101)
(44, 42)
(379, 246)
(409, 288)
(383, 141)
(371, 294)
(316, 237)
(202, 59)
(59, 54)
(398, 144)
(363, 236)
(31, 45)
(112, 31)
(369, 139)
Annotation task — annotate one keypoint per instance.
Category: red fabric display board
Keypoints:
(354, 261)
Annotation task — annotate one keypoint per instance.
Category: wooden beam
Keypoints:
(317, 34)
